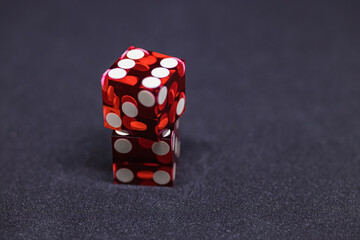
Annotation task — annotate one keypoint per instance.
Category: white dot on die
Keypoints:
(122, 145)
(169, 62)
(126, 63)
(161, 177)
(162, 95)
(124, 175)
(151, 82)
(160, 148)
(135, 54)
(122, 132)
(146, 98)
(160, 72)
(113, 120)
(180, 106)
(176, 146)
(117, 73)
(166, 133)
(174, 171)
(129, 109)
(173, 137)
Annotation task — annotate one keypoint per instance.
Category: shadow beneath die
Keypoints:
(195, 159)
(95, 150)
(99, 155)
(83, 155)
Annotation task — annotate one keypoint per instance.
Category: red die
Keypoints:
(141, 161)
(140, 150)
(143, 93)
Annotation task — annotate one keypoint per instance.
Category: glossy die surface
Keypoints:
(141, 161)
(143, 93)
(152, 174)
(140, 150)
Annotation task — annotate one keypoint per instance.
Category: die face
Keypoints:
(137, 149)
(151, 174)
(144, 87)
(140, 126)
(141, 161)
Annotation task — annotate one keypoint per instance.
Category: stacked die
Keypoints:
(143, 96)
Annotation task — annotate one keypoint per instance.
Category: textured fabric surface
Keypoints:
(270, 137)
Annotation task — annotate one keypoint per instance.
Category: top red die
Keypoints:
(143, 92)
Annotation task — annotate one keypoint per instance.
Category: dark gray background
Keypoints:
(270, 137)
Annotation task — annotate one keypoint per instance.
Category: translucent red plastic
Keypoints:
(143, 93)
(141, 161)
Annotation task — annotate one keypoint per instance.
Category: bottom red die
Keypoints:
(152, 174)
(141, 161)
